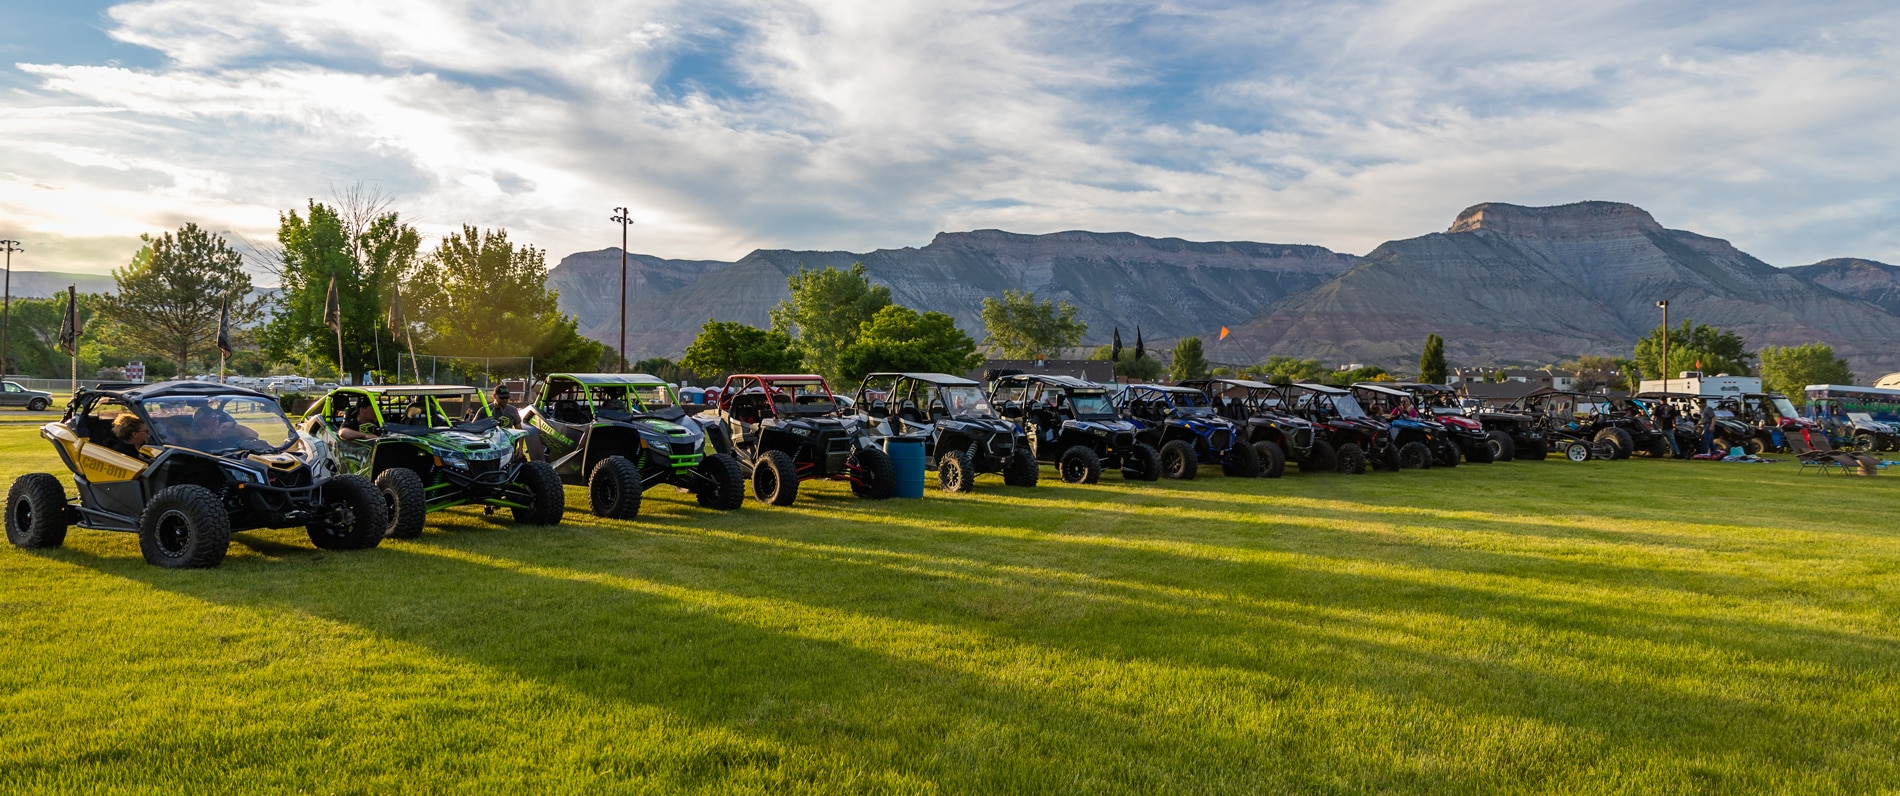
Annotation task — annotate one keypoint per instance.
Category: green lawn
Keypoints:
(1550, 626)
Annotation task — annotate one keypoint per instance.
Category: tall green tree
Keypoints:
(365, 258)
(169, 297)
(1128, 367)
(1431, 362)
(899, 338)
(1020, 327)
(1189, 361)
(664, 369)
(826, 311)
(1718, 351)
(1282, 369)
(1790, 369)
(726, 347)
(478, 295)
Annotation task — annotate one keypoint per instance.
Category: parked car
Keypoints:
(12, 394)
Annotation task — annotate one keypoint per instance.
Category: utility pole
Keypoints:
(6, 308)
(1664, 304)
(621, 215)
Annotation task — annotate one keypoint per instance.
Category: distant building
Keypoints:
(1100, 371)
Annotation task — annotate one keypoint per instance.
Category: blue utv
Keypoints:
(1183, 425)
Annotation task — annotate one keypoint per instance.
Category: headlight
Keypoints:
(452, 459)
(243, 475)
(799, 430)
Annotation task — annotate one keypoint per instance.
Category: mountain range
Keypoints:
(1504, 284)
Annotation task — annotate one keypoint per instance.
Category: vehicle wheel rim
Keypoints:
(340, 520)
(174, 533)
(389, 506)
(608, 488)
(23, 514)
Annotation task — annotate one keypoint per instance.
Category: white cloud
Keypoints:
(745, 123)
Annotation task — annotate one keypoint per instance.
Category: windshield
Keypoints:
(803, 395)
(1348, 406)
(1091, 405)
(1784, 406)
(965, 400)
(220, 424)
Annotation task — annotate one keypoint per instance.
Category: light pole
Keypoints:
(1664, 304)
(621, 215)
(6, 306)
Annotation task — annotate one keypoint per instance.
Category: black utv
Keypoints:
(1072, 424)
(1182, 423)
(1408, 432)
(184, 465)
(785, 428)
(620, 434)
(1268, 422)
(962, 435)
(1569, 416)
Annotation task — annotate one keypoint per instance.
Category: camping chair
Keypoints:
(1804, 450)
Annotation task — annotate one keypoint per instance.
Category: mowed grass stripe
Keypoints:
(1526, 626)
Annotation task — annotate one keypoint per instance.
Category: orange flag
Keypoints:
(1223, 333)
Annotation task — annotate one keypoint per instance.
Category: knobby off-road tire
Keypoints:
(955, 472)
(1080, 465)
(1659, 449)
(1415, 456)
(614, 489)
(550, 497)
(1386, 459)
(1446, 454)
(405, 505)
(1721, 446)
(1625, 444)
(1022, 469)
(1242, 462)
(184, 527)
(1272, 459)
(775, 479)
(1178, 462)
(721, 483)
(353, 515)
(1752, 446)
(1480, 453)
(1321, 459)
(877, 474)
(1143, 463)
(1503, 448)
(1350, 460)
(36, 511)
(37, 405)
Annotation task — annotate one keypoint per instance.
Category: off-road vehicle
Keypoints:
(1440, 403)
(1277, 433)
(1858, 429)
(411, 441)
(1357, 439)
(784, 428)
(215, 460)
(1402, 431)
(1181, 423)
(1073, 425)
(620, 434)
(1564, 415)
(962, 434)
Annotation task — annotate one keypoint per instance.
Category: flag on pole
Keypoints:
(333, 309)
(224, 327)
(1140, 350)
(69, 329)
(1223, 333)
(1115, 349)
(397, 322)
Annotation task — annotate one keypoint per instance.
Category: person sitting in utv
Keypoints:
(129, 434)
(1404, 410)
(213, 429)
(361, 425)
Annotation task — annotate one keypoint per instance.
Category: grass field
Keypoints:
(1599, 627)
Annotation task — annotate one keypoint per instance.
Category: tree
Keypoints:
(1020, 327)
(170, 295)
(364, 258)
(826, 312)
(477, 295)
(1128, 367)
(899, 338)
(1286, 370)
(663, 368)
(1790, 369)
(1431, 363)
(1188, 362)
(725, 347)
(1717, 350)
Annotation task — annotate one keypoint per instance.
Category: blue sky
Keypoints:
(729, 125)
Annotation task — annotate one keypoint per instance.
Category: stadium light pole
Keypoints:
(621, 215)
(6, 306)
(1664, 304)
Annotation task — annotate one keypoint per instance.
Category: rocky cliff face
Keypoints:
(1170, 287)
(1873, 282)
(1507, 283)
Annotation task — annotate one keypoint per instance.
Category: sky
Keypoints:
(731, 125)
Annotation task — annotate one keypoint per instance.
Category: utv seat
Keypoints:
(570, 412)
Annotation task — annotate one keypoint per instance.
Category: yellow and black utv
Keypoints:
(184, 465)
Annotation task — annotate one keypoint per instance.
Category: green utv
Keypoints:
(424, 456)
(620, 434)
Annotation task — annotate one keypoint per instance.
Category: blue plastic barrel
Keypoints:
(907, 453)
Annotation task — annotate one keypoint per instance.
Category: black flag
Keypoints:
(1140, 350)
(69, 330)
(333, 309)
(396, 319)
(224, 327)
(1115, 350)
